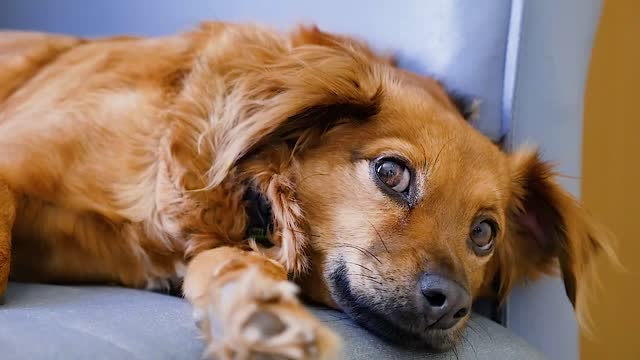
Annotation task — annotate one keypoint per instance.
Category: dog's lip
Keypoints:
(390, 329)
(383, 325)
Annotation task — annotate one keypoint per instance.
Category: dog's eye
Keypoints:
(394, 175)
(482, 234)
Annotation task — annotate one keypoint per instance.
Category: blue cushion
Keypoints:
(83, 322)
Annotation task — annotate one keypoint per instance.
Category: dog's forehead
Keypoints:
(423, 118)
(435, 137)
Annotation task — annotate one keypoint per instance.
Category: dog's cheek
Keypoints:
(315, 283)
(480, 279)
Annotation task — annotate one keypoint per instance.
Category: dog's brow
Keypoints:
(434, 165)
(356, 155)
(490, 209)
(391, 146)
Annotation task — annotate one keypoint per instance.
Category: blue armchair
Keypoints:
(526, 61)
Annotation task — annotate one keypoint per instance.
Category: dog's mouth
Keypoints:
(398, 326)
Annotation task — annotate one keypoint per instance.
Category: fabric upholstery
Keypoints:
(50, 322)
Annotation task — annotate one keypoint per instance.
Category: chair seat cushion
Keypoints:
(89, 322)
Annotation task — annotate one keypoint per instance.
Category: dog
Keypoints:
(246, 165)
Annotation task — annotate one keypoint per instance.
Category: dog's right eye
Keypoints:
(393, 174)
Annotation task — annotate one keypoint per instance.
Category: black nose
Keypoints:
(446, 301)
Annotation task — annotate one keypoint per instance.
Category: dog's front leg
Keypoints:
(247, 309)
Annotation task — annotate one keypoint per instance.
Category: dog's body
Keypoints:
(128, 161)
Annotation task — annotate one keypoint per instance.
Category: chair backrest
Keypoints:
(526, 61)
(458, 41)
(550, 58)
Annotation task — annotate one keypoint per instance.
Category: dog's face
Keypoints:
(405, 211)
(409, 213)
(412, 213)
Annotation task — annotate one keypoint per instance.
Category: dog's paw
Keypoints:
(257, 317)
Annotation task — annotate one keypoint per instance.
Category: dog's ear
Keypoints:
(277, 97)
(307, 35)
(547, 226)
(309, 88)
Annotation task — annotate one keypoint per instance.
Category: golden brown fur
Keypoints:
(129, 159)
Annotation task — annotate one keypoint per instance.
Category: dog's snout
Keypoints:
(445, 301)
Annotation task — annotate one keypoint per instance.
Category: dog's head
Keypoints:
(403, 212)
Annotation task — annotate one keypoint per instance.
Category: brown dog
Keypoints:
(132, 161)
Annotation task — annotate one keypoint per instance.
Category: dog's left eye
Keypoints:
(393, 174)
(482, 234)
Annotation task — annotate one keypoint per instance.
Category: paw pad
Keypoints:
(262, 325)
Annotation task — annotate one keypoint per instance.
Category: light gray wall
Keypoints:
(554, 52)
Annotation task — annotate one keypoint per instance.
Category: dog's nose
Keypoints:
(446, 301)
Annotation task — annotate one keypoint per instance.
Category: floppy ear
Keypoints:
(313, 35)
(547, 226)
(310, 88)
(251, 90)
